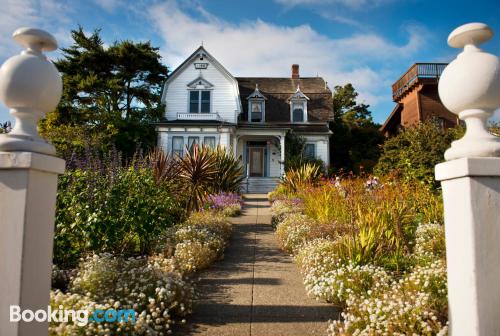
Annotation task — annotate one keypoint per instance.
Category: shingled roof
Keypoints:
(278, 90)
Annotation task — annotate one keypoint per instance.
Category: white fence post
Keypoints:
(30, 86)
(470, 88)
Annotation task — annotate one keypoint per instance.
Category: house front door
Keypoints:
(256, 161)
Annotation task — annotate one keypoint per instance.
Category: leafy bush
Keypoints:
(203, 170)
(158, 295)
(114, 209)
(295, 179)
(197, 171)
(415, 151)
(295, 156)
(229, 171)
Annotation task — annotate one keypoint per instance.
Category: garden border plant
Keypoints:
(372, 246)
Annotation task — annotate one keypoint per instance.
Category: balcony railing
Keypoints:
(198, 116)
(418, 70)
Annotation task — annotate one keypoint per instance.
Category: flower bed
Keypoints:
(228, 203)
(157, 286)
(361, 245)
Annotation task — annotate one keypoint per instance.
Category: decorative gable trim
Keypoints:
(298, 100)
(200, 81)
(196, 56)
(298, 95)
(256, 94)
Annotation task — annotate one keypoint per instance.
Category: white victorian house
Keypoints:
(205, 104)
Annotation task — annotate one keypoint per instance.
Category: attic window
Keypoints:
(298, 111)
(256, 106)
(298, 106)
(256, 111)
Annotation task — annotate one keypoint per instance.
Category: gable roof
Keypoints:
(200, 51)
(278, 90)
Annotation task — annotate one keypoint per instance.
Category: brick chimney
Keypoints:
(295, 71)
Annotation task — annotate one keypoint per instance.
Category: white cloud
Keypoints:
(46, 14)
(352, 4)
(108, 5)
(259, 48)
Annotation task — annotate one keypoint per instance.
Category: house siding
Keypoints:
(224, 95)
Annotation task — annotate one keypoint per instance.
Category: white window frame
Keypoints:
(296, 102)
(263, 108)
(199, 100)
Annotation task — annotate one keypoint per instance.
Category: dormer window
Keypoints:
(256, 106)
(298, 106)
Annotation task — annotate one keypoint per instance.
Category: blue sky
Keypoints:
(369, 43)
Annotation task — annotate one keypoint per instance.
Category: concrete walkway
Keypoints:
(256, 290)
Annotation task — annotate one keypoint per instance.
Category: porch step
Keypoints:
(259, 185)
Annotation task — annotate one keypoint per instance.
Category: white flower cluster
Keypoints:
(429, 241)
(294, 231)
(413, 305)
(144, 284)
(281, 208)
(336, 286)
(154, 286)
(213, 221)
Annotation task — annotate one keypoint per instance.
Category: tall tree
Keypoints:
(356, 139)
(111, 95)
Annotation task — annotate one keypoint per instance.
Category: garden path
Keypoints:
(256, 290)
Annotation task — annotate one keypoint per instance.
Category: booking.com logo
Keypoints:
(79, 317)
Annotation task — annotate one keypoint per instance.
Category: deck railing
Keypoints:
(418, 70)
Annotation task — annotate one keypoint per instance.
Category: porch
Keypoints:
(262, 153)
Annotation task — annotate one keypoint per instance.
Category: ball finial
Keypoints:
(30, 86)
(35, 39)
(469, 87)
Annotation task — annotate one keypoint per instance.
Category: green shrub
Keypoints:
(229, 171)
(117, 210)
(299, 178)
(415, 151)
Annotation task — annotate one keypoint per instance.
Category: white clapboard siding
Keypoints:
(321, 143)
(224, 95)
